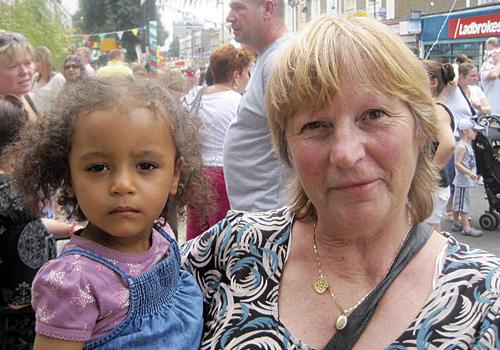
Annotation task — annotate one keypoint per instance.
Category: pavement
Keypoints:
(490, 240)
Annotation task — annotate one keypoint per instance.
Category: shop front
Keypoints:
(464, 32)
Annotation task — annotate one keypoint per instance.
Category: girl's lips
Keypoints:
(123, 210)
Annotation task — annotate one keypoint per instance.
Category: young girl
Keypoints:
(115, 150)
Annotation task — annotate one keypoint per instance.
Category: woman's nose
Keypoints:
(347, 147)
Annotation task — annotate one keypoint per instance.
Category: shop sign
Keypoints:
(473, 27)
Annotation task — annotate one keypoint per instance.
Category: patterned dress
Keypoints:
(238, 265)
(25, 247)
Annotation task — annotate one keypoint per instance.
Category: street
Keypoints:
(490, 240)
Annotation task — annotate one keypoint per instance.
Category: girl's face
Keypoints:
(72, 70)
(15, 76)
(123, 168)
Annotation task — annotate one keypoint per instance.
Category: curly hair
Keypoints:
(13, 116)
(226, 59)
(43, 149)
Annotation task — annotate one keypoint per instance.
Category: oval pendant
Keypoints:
(320, 285)
(341, 322)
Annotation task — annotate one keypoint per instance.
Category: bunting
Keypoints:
(119, 33)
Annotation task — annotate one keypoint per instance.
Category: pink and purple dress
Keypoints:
(108, 298)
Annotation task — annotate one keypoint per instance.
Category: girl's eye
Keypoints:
(97, 168)
(146, 166)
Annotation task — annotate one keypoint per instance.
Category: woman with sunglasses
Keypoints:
(73, 68)
(16, 70)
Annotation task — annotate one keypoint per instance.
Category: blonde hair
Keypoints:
(44, 56)
(15, 50)
(330, 53)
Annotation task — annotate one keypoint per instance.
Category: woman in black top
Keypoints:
(440, 76)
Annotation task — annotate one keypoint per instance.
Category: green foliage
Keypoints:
(103, 16)
(38, 23)
(173, 50)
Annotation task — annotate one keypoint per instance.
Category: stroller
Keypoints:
(487, 151)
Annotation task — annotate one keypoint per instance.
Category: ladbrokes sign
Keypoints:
(473, 27)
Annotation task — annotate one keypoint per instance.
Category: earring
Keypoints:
(180, 190)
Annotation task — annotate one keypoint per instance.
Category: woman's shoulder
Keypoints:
(464, 263)
(273, 219)
(254, 229)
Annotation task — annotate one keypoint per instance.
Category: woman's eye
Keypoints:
(312, 126)
(97, 168)
(375, 114)
(147, 166)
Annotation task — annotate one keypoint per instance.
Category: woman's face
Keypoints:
(471, 78)
(72, 70)
(38, 66)
(355, 160)
(241, 80)
(15, 76)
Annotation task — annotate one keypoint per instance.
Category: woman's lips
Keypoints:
(363, 185)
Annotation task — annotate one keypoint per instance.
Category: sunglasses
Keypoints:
(8, 38)
(71, 66)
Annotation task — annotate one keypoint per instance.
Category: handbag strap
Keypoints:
(472, 110)
(360, 317)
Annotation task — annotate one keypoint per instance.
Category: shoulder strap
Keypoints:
(32, 104)
(359, 319)
(452, 118)
(98, 259)
(472, 110)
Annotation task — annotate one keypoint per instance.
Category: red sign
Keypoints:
(473, 27)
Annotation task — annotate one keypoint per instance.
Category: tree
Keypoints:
(41, 25)
(173, 50)
(103, 16)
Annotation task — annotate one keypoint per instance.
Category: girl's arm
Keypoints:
(459, 155)
(45, 343)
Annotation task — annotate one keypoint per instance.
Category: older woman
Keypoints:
(217, 106)
(73, 68)
(16, 69)
(349, 263)
(47, 82)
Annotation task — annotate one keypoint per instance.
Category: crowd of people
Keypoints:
(312, 183)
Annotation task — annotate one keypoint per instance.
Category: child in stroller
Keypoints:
(487, 151)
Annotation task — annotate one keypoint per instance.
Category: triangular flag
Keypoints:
(135, 31)
(120, 34)
(95, 45)
(102, 36)
(86, 37)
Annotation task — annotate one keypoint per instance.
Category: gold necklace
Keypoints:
(321, 284)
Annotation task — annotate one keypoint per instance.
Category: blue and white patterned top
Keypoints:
(238, 264)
